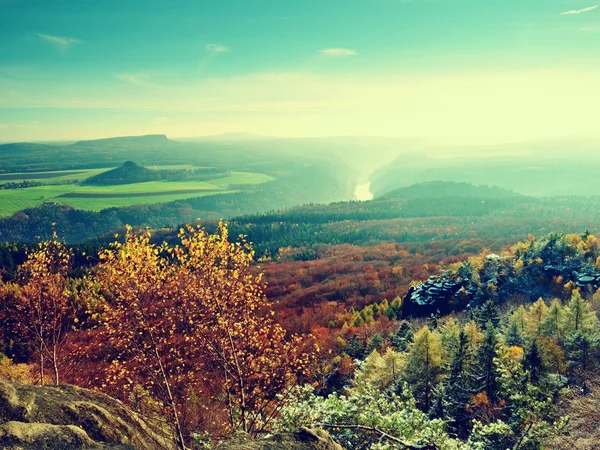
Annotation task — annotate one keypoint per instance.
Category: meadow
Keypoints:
(96, 198)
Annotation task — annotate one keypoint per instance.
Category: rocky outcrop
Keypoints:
(303, 439)
(71, 418)
(438, 294)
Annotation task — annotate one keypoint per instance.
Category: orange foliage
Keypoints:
(39, 306)
(186, 323)
(482, 408)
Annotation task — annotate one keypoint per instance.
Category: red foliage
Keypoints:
(309, 294)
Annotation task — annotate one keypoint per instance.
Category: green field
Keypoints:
(52, 176)
(96, 198)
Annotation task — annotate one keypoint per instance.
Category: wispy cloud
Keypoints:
(216, 48)
(336, 52)
(579, 11)
(139, 79)
(58, 40)
(591, 29)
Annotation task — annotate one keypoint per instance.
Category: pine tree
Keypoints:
(375, 343)
(533, 363)
(535, 316)
(487, 313)
(579, 317)
(458, 387)
(518, 317)
(433, 321)
(380, 370)
(487, 373)
(424, 365)
(403, 336)
(450, 335)
(355, 348)
(438, 406)
(513, 336)
(552, 326)
(580, 353)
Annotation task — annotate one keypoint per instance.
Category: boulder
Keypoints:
(72, 418)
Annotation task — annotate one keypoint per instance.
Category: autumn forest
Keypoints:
(299, 225)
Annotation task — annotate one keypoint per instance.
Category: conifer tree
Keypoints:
(375, 343)
(486, 314)
(533, 363)
(438, 406)
(450, 336)
(355, 348)
(403, 336)
(518, 317)
(579, 317)
(473, 334)
(580, 353)
(487, 373)
(552, 326)
(513, 336)
(458, 387)
(424, 365)
(535, 316)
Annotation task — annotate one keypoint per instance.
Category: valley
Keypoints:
(69, 188)
(279, 225)
(352, 289)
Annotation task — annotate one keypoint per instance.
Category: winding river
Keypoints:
(363, 192)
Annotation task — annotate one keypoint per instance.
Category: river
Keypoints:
(363, 192)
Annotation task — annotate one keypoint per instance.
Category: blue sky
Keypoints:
(462, 70)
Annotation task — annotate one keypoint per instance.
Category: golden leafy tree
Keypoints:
(139, 323)
(535, 317)
(188, 323)
(228, 328)
(44, 306)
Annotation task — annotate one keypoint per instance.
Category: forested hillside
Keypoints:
(421, 307)
(150, 323)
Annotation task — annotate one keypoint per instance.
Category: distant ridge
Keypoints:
(19, 147)
(149, 139)
(233, 136)
(436, 189)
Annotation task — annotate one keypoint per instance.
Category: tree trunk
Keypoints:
(178, 430)
(55, 365)
(41, 365)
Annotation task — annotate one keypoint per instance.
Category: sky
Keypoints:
(452, 70)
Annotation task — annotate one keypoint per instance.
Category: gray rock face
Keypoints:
(303, 439)
(71, 418)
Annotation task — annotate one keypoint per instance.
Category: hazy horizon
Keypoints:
(454, 71)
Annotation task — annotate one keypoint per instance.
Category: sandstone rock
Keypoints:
(71, 418)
